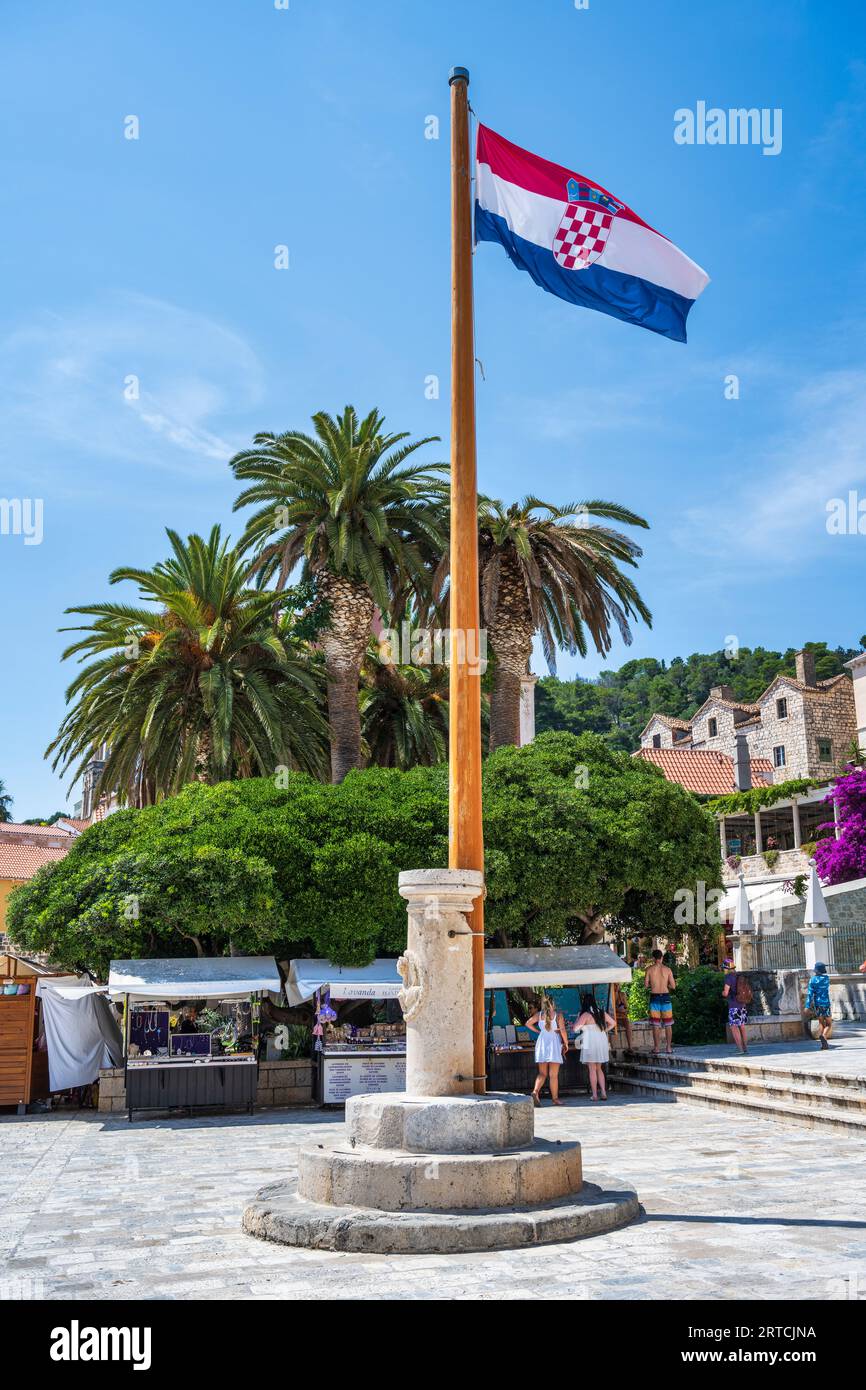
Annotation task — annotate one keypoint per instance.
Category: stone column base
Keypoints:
(436, 1174)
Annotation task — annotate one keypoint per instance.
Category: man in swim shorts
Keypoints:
(660, 983)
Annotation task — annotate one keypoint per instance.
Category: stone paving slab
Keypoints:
(96, 1208)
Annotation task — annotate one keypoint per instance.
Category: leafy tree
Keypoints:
(203, 684)
(5, 803)
(404, 712)
(559, 858)
(364, 523)
(150, 900)
(558, 574)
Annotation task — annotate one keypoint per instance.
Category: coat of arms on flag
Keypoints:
(585, 227)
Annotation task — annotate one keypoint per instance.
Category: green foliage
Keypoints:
(202, 681)
(312, 869)
(699, 1009)
(638, 996)
(346, 499)
(5, 804)
(620, 703)
(299, 1042)
(760, 798)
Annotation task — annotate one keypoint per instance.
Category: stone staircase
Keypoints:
(784, 1094)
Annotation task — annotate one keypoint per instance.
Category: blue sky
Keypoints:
(306, 127)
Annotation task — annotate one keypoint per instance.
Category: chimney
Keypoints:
(742, 765)
(722, 692)
(806, 668)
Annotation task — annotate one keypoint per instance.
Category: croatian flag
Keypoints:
(577, 241)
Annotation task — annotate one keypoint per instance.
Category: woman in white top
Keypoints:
(594, 1024)
(550, 1048)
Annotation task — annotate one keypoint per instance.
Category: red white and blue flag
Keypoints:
(579, 242)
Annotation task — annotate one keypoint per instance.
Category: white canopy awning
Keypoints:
(207, 977)
(554, 966)
(543, 965)
(379, 980)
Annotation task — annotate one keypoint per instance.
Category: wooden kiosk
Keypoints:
(23, 1069)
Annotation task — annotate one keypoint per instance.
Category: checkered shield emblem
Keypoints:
(585, 227)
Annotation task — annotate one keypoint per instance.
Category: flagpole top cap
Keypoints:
(458, 75)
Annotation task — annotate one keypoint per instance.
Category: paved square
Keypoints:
(96, 1208)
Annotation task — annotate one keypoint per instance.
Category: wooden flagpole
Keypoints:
(465, 831)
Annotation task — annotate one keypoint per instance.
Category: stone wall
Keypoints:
(280, 1083)
(789, 864)
(831, 716)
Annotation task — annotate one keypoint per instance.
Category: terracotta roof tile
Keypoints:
(21, 862)
(703, 772)
(16, 831)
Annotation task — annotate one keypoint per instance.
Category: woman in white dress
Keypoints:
(550, 1048)
(594, 1024)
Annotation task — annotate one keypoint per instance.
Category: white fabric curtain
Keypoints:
(76, 1044)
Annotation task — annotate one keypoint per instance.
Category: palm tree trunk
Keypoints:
(504, 708)
(512, 646)
(344, 643)
(344, 716)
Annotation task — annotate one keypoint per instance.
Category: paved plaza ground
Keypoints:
(96, 1208)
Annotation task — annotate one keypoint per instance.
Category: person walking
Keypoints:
(594, 1024)
(659, 983)
(550, 1048)
(620, 1009)
(738, 993)
(818, 1003)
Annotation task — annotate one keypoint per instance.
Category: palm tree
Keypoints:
(5, 803)
(365, 526)
(404, 712)
(205, 684)
(557, 574)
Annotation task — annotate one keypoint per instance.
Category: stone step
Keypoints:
(773, 1085)
(750, 1103)
(752, 1066)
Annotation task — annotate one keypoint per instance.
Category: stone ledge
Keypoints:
(490, 1123)
(279, 1214)
(393, 1180)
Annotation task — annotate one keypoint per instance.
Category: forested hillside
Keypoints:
(619, 703)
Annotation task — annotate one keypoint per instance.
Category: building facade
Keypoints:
(802, 726)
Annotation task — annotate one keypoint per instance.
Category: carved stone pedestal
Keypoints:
(437, 1168)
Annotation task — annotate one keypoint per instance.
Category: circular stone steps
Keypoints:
(279, 1214)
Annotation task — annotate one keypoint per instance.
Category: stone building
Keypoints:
(804, 727)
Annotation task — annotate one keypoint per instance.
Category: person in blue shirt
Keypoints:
(818, 1002)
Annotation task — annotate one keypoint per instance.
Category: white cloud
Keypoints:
(62, 378)
(777, 515)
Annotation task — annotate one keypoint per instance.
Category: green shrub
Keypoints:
(699, 1009)
(638, 997)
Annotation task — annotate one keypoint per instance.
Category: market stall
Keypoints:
(565, 973)
(362, 1051)
(359, 1042)
(191, 1029)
